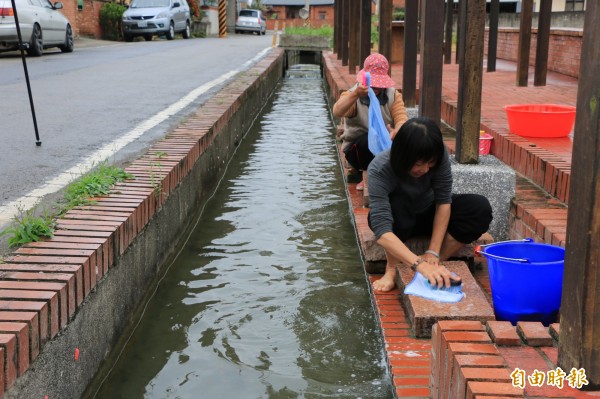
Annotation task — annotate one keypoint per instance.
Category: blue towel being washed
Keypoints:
(420, 286)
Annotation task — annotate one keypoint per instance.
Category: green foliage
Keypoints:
(94, 183)
(28, 227)
(398, 14)
(374, 30)
(324, 30)
(110, 20)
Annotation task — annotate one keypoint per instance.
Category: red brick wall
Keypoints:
(315, 21)
(564, 51)
(86, 21)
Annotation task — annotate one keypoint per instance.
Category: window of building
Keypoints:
(292, 12)
(574, 5)
(322, 15)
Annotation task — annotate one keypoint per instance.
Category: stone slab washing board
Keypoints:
(424, 313)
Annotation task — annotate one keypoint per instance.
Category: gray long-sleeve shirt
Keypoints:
(416, 194)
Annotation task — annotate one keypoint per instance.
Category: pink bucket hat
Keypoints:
(377, 65)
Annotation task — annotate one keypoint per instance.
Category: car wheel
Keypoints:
(186, 33)
(36, 45)
(68, 46)
(264, 32)
(237, 31)
(127, 37)
(148, 38)
(171, 32)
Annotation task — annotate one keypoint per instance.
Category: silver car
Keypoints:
(42, 26)
(156, 17)
(251, 21)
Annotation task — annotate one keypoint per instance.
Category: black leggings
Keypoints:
(470, 217)
(358, 154)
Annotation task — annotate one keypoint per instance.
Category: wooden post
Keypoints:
(470, 78)
(345, 31)
(493, 35)
(543, 43)
(448, 40)
(579, 341)
(409, 68)
(524, 43)
(365, 31)
(459, 29)
(432, 38)
(336, 28)
(385, 30)
(354, 36)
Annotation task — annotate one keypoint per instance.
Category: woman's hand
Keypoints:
(437, 275)
(430, 258)
(361, 91)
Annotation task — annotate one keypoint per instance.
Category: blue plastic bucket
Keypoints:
(526, 280)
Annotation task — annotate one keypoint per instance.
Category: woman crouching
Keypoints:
(410, 194)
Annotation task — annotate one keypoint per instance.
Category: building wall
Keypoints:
(85, 21)
(278, 13)
(563, 54)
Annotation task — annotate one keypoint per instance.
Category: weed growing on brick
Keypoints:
(29, 226)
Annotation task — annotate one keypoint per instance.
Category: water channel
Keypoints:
(268, 298)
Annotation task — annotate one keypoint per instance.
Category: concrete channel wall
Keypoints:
(151, 236)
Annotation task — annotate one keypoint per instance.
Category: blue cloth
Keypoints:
(420, 286)
(379, 135)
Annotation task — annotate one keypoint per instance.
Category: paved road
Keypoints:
(106, 100)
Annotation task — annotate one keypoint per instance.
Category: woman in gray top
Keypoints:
(410, 194)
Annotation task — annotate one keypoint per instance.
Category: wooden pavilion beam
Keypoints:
(354, 36)
(409, 68)
(365, 31)
(432, 39)
(470, 81)
(345, 30)
(458, 30)
(448, 35)
(524, 43)
(337, 28)
(493, 35)
(543, 43)
(385, 29)
(579, 341)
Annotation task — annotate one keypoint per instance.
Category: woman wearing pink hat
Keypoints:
(353, 107)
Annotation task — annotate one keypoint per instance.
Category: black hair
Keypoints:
(419, 139)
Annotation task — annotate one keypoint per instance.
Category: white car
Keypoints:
(42, 26)
(251, 21)
(156, 17)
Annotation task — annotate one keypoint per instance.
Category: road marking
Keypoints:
(31, 199)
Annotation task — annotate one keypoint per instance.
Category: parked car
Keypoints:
(251, 21)
(41, 23)
(156, 17)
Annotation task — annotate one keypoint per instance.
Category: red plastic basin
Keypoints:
(540, 120)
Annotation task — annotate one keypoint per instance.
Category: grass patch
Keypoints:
(325, 30)
(93, 184)
(30, 226)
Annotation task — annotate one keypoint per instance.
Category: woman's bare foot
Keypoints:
(387, 282)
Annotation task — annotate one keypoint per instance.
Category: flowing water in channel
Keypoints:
(268, 298)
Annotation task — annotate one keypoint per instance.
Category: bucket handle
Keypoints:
(522, 260)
